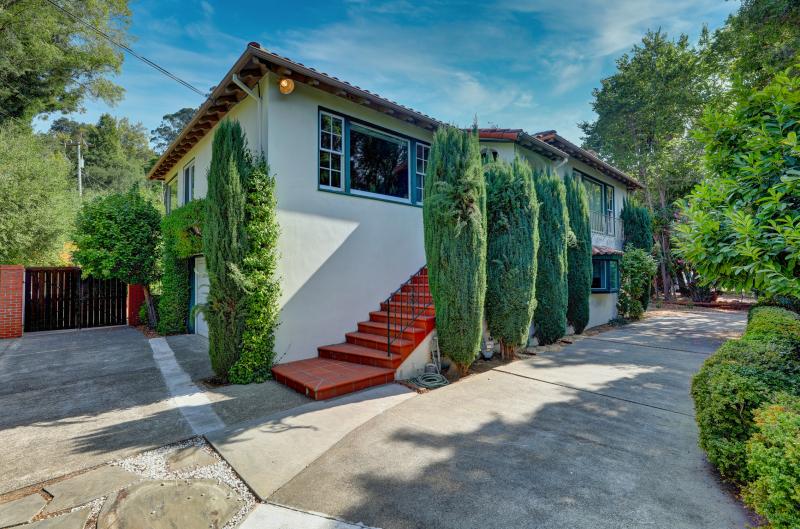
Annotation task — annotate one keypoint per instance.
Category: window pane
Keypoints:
(326, 140)
(325, 123)
(378, 163)
(610, 200)
(324, 176)
(597, 274)
(595, 192)
(336, 179)
(613, 275)
(324, 159)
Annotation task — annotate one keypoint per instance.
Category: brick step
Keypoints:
(409, 332)
(425, 289)
(423, 321)
(407, 309)
(376, 341)
(413, 297)
(348, 352)
(419, 280)
(323, 378)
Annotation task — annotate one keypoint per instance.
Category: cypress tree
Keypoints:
(579, 256)
(224, 238)
(512, 243)
(550, 317)
(637, 223)
(454, 214)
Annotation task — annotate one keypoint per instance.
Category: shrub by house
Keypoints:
(454, 216)
(512, 244)
(637, 269)
(579, 256)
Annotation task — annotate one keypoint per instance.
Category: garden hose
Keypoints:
(430, 381)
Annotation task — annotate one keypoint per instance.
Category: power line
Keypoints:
(126, 48)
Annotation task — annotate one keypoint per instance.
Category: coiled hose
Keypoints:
(430, 381)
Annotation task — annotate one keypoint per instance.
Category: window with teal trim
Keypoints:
(605, 274)
(366, 160)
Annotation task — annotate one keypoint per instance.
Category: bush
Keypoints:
(637, 269)
(224, 238)
(637, 224)
(773, 461)
(454, 214)
(550, 317)
(774, 324)
(513, 240)
(579, 256)
(262, 303)
(182, 234)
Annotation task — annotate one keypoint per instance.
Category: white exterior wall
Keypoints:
(340, 255)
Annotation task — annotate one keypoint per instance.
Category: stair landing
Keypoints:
(323, 378)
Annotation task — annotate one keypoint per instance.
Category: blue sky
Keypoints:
(530, 64)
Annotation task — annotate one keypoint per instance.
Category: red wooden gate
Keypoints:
(58, 298)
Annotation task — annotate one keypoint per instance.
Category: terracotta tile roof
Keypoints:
(523, 138)
(588, 157)
(605, 250)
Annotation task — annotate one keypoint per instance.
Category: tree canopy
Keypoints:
(169, 128)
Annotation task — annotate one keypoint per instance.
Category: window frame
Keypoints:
(320, 149)
(606, 195)
(419, 184)
(345, 189)
(607, 285)
(188, 184)
(168, 205)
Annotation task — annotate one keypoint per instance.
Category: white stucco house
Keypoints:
(350, 167)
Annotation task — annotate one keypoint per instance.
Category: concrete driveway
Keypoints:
(597, 435)
(72, 400)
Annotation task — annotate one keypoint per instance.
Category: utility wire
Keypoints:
(125, 48)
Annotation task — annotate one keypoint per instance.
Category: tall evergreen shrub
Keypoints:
(550, 317)
(512, 242)
(224, 238)
(454, 214)
(579, 256)
(637, 223)
(262, 302)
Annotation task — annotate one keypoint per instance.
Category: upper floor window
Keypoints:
(331, 150)
(188, 182)
(365, 160)
(423, 151)
(601, 195)
(171, 194)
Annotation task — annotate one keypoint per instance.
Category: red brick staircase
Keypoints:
(367, 357)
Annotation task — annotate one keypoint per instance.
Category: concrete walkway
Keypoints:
(597, 435)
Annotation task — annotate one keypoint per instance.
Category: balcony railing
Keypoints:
(606, 225)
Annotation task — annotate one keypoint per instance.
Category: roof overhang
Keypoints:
(551, 137)
(252, 65)
(524, 139)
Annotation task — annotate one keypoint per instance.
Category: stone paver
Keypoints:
(184, 504)
(88, 486)
(21, 510)
(73, 520)
(189, 458)
(268, 516)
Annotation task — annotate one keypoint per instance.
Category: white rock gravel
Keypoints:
(153, 465)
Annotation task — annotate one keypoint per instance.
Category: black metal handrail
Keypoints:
(413, 299)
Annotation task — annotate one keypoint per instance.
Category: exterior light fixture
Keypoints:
(286, 86)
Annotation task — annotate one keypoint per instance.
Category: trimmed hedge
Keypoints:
(746, 402)
(579, 256)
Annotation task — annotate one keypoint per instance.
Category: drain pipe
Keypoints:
(238, 82)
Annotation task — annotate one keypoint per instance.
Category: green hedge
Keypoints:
(579, 256)
(745, 398)
(181, 234)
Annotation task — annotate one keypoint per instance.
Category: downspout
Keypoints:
(238, 82)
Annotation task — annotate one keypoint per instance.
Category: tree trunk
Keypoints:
(507, 352)
(152, 315)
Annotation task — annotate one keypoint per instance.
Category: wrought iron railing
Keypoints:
(405, 305)
(603, 224)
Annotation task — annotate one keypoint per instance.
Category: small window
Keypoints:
(605, 275)
(489, 155)
(378, 163)
(188, 183)
(331, 150)
(171, 194)
(423, 151)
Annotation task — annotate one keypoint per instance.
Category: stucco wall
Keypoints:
(340, 255)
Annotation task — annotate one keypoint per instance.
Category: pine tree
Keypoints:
(224, 238)
(579, 256)
(550, 317)
(454, 214)
(512, 244)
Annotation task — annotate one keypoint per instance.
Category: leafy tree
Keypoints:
(579, 255)
(37, 205)
(260, 268)
(550, 317)
(512, 244)
(52, 63)
(224, 239)
(741, 225)
(636, 269)
(169, 128)
(118, 237)
(454, 214)
(654, 97)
